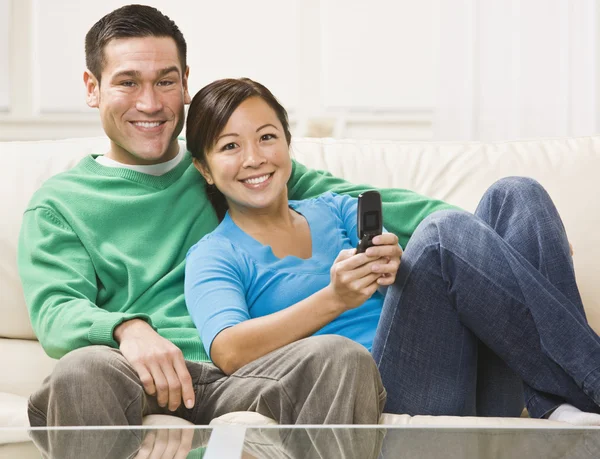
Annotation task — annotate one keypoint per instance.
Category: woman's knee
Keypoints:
(523, 188)
(439, 225)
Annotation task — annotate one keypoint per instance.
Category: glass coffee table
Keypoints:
(247, 442)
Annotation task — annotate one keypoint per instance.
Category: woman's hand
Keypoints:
(388, 251)
(353, 278)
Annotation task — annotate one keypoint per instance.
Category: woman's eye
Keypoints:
(229, 146)
(266, 137)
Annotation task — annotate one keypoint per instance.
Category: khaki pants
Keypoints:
(317, 380)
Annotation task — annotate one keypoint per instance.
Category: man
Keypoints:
(101, 258)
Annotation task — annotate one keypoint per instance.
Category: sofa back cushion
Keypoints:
(26, 166)
(458, 173)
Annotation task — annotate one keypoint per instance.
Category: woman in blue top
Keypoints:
(483, 313)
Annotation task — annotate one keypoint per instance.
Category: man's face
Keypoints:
(141, 98)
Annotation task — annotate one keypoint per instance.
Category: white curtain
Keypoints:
(514, 69)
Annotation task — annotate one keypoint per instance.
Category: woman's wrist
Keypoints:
(333, 301)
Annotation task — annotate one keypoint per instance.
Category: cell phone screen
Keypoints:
(371, 221)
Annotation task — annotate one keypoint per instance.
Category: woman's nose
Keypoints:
(253, 156)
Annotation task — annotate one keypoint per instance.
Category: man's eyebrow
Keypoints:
(138, 74)
(168, 70)
(265, 125)
(127, 73)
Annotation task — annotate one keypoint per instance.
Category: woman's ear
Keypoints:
(204, 171)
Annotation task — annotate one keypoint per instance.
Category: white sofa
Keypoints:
(455, 172)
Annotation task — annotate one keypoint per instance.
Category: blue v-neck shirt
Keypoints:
(230, 277)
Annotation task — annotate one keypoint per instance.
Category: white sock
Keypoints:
(570, 414)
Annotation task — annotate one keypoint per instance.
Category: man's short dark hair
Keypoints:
(130, 21)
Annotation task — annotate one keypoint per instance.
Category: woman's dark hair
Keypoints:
(210, 111)
(130, 21)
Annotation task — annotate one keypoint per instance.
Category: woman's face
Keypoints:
(250, 161)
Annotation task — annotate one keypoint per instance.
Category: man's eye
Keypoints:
(127, 84)
(166, 83)
(266, 137)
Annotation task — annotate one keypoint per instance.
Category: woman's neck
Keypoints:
(276, 217)
(283, 229)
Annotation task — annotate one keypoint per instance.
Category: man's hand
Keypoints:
(166, 444)
(387, 250)
(158, 362)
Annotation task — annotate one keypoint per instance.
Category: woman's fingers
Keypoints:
(381, 251)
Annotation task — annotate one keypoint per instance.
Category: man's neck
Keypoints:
(122, 156)
(151, 169)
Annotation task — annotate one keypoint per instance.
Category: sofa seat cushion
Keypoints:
(24, 365)
(13, 413)
(246, 418)
(466, 421)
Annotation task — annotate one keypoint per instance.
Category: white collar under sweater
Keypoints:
(151, 169)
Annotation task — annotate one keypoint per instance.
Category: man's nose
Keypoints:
(148, 100)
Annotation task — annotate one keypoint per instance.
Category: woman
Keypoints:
(482, 311)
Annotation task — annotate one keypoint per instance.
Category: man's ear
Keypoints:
(186, 94)
(92, 88)
(204, 171)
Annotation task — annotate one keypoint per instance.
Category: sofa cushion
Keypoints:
(24, 366)
(27, 166)
(465, 421)
(457, 172)
(247, 418)
(460, 172)
(13, 414)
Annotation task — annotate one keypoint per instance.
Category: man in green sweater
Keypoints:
(102, 251)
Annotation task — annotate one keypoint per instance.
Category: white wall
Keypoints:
(393, 69)
(4, 48)
(518, 69)
(340, 68)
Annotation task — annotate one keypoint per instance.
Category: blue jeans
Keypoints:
(485, 315)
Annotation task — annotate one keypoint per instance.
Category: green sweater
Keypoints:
(101, 245)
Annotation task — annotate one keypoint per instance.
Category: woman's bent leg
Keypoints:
(460, 282)
(520, 210)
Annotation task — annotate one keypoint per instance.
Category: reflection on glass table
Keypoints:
(285, 442)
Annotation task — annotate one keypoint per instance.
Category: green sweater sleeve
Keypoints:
(59, 283)
(403, 210)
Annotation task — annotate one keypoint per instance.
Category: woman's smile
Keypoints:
(258, 182)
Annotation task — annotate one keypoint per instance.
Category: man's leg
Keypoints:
(460, 282)
(318, 380)
(93, 386)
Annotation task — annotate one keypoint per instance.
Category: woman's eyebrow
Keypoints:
(265, 125)
(233, 134)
